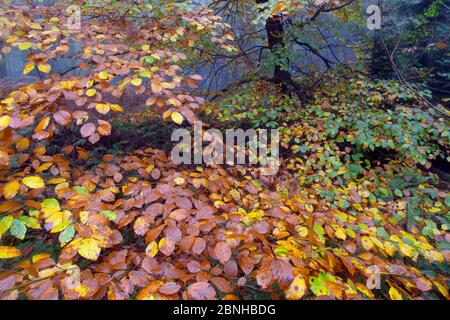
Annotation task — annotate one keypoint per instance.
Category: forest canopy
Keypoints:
(355, 96)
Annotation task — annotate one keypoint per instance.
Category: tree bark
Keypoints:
(276, 41)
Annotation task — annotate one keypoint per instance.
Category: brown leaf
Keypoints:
(194, 266)
(201, 291)
(141, 226)
(154, 233)
(231, 269)
(87, 129)
(179, 214)
(222, 252)
(62, 117)
(198, 246)
(282, 271)
(169, 288)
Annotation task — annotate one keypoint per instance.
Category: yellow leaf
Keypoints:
(42, 124)
(44, 166)
(340, 234)
(162, 242)
(366, 243)
(116, 107)
(40, 256)
(89, 249)
(177, 118)
(434, 210)
(102, 108)
(90, 83)
(395, 294)
(56, 180)
(406, 249)
(10, 189)
(152, 249)
(277, 8)
(82, 290)
(145, 74)
(84, 215)
(91, 92)
(437, 256)
(442, 289)
(4, 121)
(28, 68)
(179, 180)
(8, 252)
(365, 290)
(33, 182)
(174, 102)
(166, 113)
(22, 144)
(297, 288)
(303, 232)
(44, 68)
(67, 84)
(35, 26)
(150, 168)
(389, 248)
(145, 47)
(24, 45)
(103, 75)
(136, 82)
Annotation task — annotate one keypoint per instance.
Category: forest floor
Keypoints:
(340, 219)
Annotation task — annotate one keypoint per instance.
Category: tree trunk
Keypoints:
(276, 41)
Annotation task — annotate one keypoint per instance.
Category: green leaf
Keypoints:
(50, 203)
(382, 233)
(149, 59)
(281, 251)
(319, 230)
(318, 286)
(66, 235)
(5, 224)
(18, 229)
(343, 203)
(110, 214)
(30, 222)
(81, 190)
